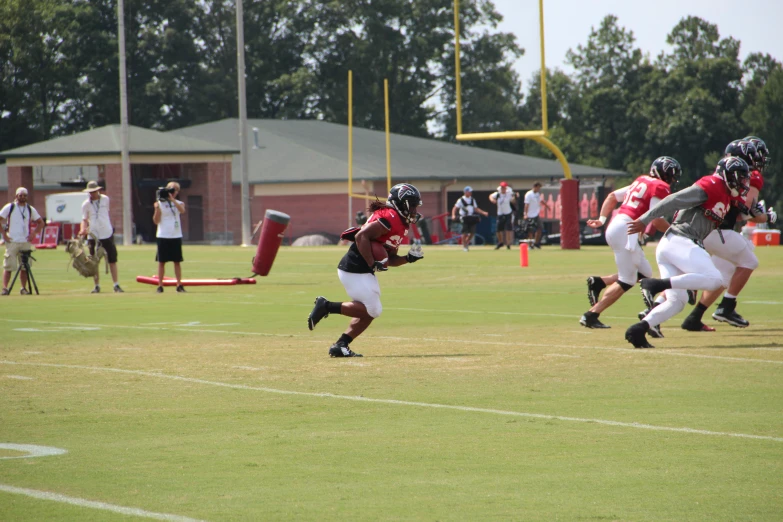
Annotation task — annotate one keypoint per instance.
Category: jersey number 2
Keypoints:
(635, 194)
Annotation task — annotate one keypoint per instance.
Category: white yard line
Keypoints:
(81, 502)
(395, 402)
(310, 339)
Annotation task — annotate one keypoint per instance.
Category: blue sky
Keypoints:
(568, 24)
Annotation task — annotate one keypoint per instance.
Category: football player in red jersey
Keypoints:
(683, 262)
(637, 198)
(731, 252)
(388, 224)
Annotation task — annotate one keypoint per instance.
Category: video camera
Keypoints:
(163, 193)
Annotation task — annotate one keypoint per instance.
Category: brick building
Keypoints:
(156, 157)
(299, 167)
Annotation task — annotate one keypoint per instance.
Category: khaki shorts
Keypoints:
(11, 257)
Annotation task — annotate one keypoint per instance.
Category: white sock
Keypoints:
(729, 296)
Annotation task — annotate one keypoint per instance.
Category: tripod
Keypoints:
(24, 263)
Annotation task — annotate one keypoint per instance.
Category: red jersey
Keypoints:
(718, 198)
(397, 228)
(756, 179)
(640, 193)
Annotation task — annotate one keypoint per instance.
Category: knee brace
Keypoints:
(624, 286)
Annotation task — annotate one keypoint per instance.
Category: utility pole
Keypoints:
(246, 239)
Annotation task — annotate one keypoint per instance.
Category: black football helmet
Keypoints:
(735, 172)
(747, 151)
(405, 199)
(666, 169)
(762, 149)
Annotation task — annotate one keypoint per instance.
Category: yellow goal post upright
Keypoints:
(351, 193)
(569, 188)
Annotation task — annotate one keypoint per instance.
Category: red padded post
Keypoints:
(272, 233)
(569, 214)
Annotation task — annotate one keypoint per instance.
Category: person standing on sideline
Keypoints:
(96, 221)
(167, 216)
(504, 198)
(467, 208)
(533, 202)
(15, 219)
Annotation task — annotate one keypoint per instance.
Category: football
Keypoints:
(379, 253)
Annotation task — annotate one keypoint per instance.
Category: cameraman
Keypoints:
(15, 219)
(168, 212)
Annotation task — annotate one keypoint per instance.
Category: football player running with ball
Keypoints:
(644, 193)
(387, 225)
(731, 252)
(683, 262)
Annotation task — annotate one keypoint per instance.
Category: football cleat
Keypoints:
(589, 320)
(593, 289)
(731, 317)
(655, 331)
(641, 315)
(695, 325)
(650, 288)
(318, 313)
(635, 335)
(340, 349)
(692, 295)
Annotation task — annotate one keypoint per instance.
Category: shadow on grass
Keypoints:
(422, 356)
(751, 345)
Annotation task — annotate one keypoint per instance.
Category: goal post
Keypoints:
(569, 238)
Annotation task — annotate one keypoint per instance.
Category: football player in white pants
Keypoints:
(388, 225)
(682, 261)
(731, 252)
(637, 198)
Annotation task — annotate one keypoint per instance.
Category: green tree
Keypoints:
(763, 120)
(37, 78)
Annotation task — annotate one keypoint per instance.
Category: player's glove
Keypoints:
(378, 267)
(772, 216)
(414, 254)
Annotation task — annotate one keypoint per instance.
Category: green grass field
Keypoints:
(479, 397)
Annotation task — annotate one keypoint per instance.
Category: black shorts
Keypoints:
(108, 245)
(533, 223)
(169, 250)
(504, 222)
(469, 224)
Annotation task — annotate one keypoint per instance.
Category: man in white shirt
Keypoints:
(533, 202)
(15, 219)
(167, 216)
(468, 215)
(97, 223)
(504, 198)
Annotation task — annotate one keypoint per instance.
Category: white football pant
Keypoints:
(689, 267)
(363, 288)
(628, 254)
(735, 251)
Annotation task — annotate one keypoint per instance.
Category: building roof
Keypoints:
(313, 150)
(106, 140)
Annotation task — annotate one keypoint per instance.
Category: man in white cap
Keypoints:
(15, 220)
(97, 223)
(504, 198)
